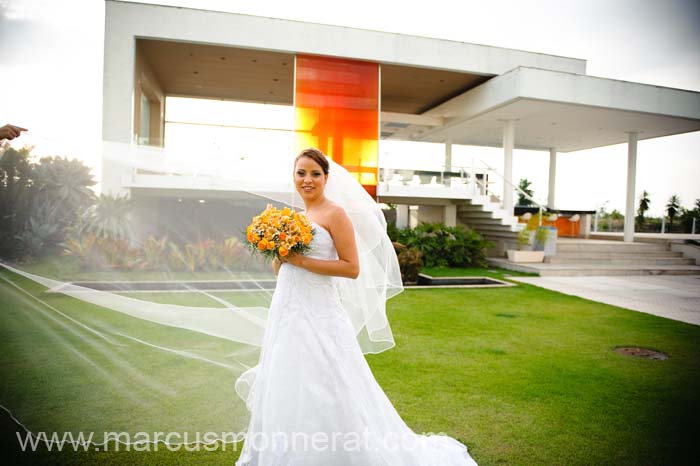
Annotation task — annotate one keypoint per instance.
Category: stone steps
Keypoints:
(483, 227)
(621, 261)
(618, 255)
(615, 269)
(492, 222)
(571, 270)
(592, 257)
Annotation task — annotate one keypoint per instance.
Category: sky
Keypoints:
(51, 76)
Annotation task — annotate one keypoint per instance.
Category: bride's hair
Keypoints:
(316, 155)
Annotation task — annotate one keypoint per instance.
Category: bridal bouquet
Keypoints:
(276, 232)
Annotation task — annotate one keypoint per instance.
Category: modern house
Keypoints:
(352, 87)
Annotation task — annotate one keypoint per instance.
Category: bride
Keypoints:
(312, 397)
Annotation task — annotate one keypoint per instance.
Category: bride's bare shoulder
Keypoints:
(336, 211)
(339, 217)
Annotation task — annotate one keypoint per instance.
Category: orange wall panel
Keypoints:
(336, 108)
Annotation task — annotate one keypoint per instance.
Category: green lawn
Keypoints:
(521, 375)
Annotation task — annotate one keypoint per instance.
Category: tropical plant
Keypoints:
(673, 208)
(643, 207)
(410, 262)
(39, 202)
(392, 231)
(445, 246)
(85, 249)
(541, 237)
(154, 253)
(177, 259)
(230, 252)
(16, 193)
(525, 239)
(65, 184)
(524, 185)
(616, 215)
(202, 254)
(117, 254)
(108, 217)
(43, 229)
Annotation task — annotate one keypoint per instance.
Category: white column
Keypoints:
(449, 215)
(631, 178)
(552, 176)
(508, 143)
(402, 216)
(448, 155)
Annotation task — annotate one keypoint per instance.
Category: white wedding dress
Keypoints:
(313, 382)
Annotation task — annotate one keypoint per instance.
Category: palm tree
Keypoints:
(524, 185)
(108, 217)
(643, 207)
(673, 208)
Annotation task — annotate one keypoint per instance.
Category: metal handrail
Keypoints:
(515, 186)
(470, 172)
(540, 207)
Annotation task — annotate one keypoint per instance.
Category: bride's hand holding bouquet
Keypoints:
(281, 235)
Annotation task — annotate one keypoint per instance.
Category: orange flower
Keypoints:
(262, 245)
(283, 251)
(283, 236)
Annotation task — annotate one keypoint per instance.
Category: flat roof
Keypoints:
(129, 19)
(566, 111)
(433, 90)
(225, 72)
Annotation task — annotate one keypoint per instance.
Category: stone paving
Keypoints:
(671, 296)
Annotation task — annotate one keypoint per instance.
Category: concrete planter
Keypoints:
(525, 256)
(546, 240)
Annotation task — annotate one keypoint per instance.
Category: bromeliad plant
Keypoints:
(95, 253)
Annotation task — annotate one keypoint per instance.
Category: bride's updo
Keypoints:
(316, 155)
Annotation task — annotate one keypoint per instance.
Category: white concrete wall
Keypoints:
(124, 22)
(430, 213)
(551, 85)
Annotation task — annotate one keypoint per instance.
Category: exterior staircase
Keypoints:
(488, 218)
(580, 257)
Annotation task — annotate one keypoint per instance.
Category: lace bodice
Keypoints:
(322, 246)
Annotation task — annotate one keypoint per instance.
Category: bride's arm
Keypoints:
(348, 264)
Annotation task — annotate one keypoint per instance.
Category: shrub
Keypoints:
(16, 194)
(230, 252)
(154, 253)
(445, 246)
(410, 262)
(39, 202)
(108, 217)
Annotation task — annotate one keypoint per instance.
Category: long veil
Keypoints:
(147, 313)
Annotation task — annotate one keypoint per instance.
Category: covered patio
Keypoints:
(557, 112)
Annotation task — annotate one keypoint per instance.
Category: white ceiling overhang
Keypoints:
(552, 109)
